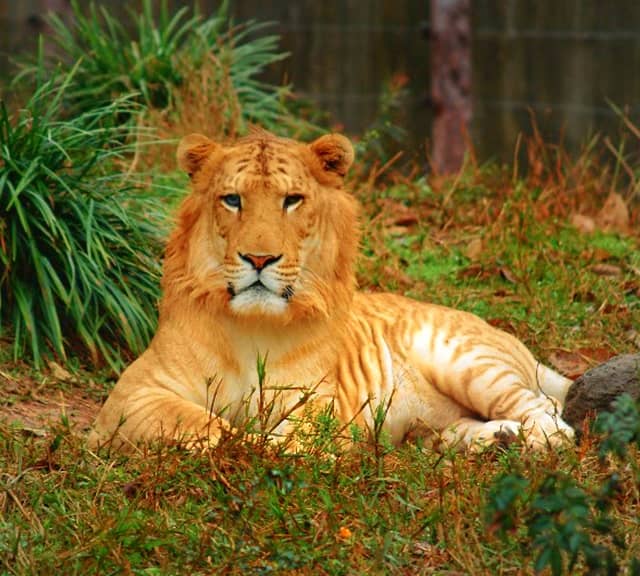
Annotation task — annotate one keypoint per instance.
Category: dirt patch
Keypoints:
(37, 405)
(38, 415)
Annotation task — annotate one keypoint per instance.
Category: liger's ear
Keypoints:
(193, 150)
(335, 153)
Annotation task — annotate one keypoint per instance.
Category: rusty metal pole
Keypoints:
(450, 82)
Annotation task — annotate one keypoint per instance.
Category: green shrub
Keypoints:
(153, 58)
(567, 522)
(79, 242)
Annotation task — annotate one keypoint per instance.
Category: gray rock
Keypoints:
(596, 389)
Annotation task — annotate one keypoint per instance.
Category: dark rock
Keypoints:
(596, 389)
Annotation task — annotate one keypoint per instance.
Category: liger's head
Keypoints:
(268, 231)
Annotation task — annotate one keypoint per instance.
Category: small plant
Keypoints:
(379, 436)
(79, 243)
(383, 139)
(620, 427)
(563, 520)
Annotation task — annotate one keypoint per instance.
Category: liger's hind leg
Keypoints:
(499, 395)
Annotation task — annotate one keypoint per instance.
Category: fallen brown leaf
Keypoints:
(606, 269)
(631, 287)
(614, 215)
(474, 271)
(571, 364)
(502, 324)
(59, 373)
(600, 255)
(582, 223)
(408, 219)
(508, 275)
(474, 249)
(575, 363)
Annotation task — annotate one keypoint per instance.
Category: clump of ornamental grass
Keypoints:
(156, 56)
(79, 239)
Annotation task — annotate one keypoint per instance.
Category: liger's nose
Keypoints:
(260, 261)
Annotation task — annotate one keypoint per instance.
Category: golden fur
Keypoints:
(261, 262)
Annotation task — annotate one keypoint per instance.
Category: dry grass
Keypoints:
(206, 103)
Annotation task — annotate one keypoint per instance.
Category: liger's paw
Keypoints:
(547, 431)
(499, 433)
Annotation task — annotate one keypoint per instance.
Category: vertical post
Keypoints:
(450, 82)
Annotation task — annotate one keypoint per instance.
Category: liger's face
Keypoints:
(263, 208)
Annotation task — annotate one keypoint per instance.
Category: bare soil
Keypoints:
(36, 402)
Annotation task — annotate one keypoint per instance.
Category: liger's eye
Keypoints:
(232, 201)
(292, 200)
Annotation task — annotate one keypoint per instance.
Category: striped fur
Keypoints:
(261, 263)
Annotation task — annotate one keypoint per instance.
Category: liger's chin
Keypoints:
(259, 302)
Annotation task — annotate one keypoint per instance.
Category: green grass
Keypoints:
(539, 276)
